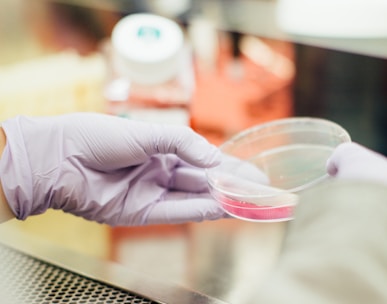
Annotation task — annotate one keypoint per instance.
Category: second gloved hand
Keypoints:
(107, 169)
(353, 161)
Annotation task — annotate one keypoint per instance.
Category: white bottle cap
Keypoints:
(334, 18)
(147, 48)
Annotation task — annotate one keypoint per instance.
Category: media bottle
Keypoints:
(151, 76)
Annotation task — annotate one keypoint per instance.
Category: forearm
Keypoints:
(335, 250)
(5, 212)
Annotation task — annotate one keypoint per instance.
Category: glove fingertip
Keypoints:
(183, 211)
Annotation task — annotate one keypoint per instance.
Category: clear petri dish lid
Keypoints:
(267, 166)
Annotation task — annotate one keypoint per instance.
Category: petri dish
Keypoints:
(266, 167)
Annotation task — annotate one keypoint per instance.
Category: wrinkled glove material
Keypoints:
(107, 169)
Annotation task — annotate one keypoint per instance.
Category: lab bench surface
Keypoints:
(210, 263)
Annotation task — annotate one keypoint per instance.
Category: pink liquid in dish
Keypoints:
(255, 212)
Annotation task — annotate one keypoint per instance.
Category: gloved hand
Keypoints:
(107, 169)
(353, 161)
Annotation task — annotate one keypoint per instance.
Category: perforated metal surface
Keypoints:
(25, 279)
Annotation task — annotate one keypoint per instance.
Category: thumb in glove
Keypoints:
(354, 161)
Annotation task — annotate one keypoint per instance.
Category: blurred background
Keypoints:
(251, 62)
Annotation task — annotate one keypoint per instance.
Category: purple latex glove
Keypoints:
(353, 161)
(107, 169)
